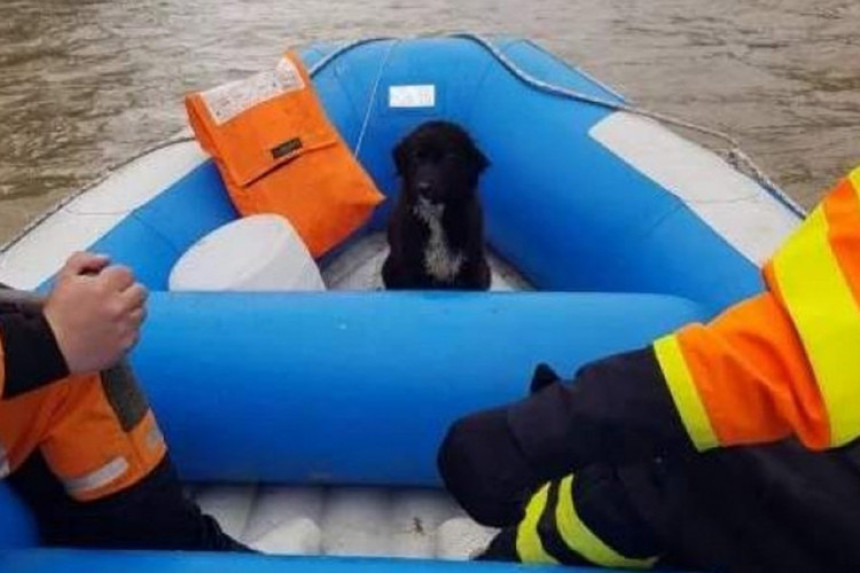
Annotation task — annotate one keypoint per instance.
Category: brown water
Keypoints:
(87, 83)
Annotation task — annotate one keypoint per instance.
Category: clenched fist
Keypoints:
(95, 311)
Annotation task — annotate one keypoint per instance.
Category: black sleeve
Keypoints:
(31, 355)
(617, 410)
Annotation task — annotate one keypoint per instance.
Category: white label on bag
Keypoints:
(227, 101)
(412, 96)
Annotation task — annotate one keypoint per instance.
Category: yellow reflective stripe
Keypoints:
(827, 319)
(581, 539)
(854, 177)
(529, 546)
(684, 393)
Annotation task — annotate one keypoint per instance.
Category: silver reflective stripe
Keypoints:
(4, 462)
(154, 437)
(98, 478)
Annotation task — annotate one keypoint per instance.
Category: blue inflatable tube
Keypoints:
(350, 389)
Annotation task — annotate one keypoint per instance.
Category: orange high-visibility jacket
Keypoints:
(787, 361)
(97, 435)
(783, 363)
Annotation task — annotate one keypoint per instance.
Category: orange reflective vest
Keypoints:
(278, 153)
(787, 361)
(97, 434)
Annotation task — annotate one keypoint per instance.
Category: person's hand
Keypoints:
(95, 311)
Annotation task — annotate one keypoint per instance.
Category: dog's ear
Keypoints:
(481, 161)
(401, 157)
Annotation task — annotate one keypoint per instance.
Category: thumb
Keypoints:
(84, 263)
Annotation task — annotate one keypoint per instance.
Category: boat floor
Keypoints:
(354, 521)
(360, 268)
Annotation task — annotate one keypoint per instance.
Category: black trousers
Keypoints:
(152, 514)
(583, 519)
(743, 510)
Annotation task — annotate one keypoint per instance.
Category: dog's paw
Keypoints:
(543, 376)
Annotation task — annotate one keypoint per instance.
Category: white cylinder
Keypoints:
(256, 253)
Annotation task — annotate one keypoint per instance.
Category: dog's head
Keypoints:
(440, 162)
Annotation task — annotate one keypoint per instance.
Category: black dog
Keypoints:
(436, 231)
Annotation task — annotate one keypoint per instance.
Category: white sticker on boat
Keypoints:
(748, 217)
(227, 101)
(416, 96)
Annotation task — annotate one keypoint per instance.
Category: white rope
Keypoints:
(369, 111)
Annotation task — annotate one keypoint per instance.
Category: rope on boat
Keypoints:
(736, 157)
(370, 102)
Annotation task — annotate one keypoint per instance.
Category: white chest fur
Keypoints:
(440, 261)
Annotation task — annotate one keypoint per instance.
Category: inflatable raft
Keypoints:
(617, 229)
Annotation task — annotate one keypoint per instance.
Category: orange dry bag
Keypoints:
(278, 153)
